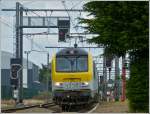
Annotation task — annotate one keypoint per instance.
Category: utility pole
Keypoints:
(104, 77)
(123, 79)
(98, 85)
(19, 47)
(17, 30)
(109, 82)
(47, 76)
(21, 55)
(109, 72)
(47, 60)
(116, 84)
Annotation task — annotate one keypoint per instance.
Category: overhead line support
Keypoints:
(70, 47)
(58, 10)
(44, 33)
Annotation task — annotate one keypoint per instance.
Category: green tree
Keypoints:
(123, 28)
(44, 74)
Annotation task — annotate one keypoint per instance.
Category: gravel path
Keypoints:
(112, 107)
(34, 110)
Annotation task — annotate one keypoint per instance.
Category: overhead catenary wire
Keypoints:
(26, 10)
(8, 25)
(12, 27)
(41, 16)
(3, 5)
(36, 44)
(63, 2)
(38, 16)
(77, 4)
(32, 42)
(48, 22)
(82, 38)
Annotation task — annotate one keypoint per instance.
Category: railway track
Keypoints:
(81, 108)
(89, 108)
(45, 105)
(57, 109)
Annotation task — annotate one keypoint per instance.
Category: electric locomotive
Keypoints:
(74, 77)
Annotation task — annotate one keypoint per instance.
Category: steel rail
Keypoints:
(45, 105)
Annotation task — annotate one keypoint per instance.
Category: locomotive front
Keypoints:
(72, 76)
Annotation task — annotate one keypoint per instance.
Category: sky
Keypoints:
(38, 42)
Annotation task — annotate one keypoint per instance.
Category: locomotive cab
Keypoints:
(72, 77)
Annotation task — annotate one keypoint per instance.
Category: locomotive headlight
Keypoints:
(85, 83)
(58, 84)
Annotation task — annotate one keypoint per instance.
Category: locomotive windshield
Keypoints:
(72, 64)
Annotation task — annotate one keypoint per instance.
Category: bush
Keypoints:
(138, 84)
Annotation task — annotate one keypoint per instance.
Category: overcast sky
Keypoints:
(7, 32)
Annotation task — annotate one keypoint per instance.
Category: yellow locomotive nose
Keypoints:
(73, 77)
